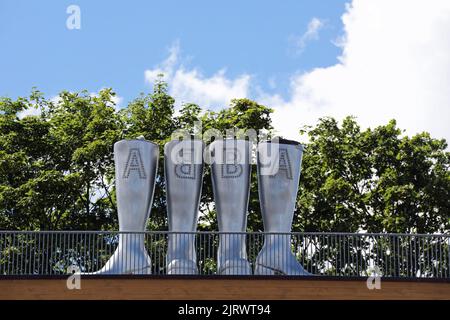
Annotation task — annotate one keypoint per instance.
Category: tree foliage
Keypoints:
(373, 180)
(57, 170)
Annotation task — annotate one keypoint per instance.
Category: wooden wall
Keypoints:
(218, 288)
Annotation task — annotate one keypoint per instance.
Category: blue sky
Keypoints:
(376, 60)
(118, 40)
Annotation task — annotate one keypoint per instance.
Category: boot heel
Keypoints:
(264, 271)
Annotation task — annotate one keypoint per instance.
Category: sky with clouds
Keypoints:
(376, 60)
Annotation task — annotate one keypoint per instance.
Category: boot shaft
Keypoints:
(136, 163)
(278, 177)
(183, 170)
(230, 170)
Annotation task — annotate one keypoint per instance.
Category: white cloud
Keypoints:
(117, 101)
(29, 112)
(395, 64)
(36, 111)
(166, 67)
(55, 99)
(191, 85)
(312, 33)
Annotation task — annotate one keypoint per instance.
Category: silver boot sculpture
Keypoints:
(183, 166)
(230, 170)
(136, 163)
(279, 166)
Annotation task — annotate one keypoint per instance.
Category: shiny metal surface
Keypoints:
(183, 167)
(278, 178)
(136, 163)
(230, 172)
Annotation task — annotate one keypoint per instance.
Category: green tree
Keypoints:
(152, 116)
(374, 180)
(56, 167)
(57, 170)
(243, 114)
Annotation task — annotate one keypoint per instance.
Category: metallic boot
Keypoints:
(183, 166)
(136, 163)
(278, 177)
(230, 172)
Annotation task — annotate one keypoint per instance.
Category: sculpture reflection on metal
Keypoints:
(183, 166)
(136, 163)
(230, 169)
(279, 166)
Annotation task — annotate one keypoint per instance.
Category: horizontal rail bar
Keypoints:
(222, 232)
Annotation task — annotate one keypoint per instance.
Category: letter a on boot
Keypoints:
(183, 166)
(278, 177)
(136, 163)
(230, 171)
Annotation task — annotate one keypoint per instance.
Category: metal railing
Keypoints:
(326, 254)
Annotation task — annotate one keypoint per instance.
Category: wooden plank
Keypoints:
(210, 289)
